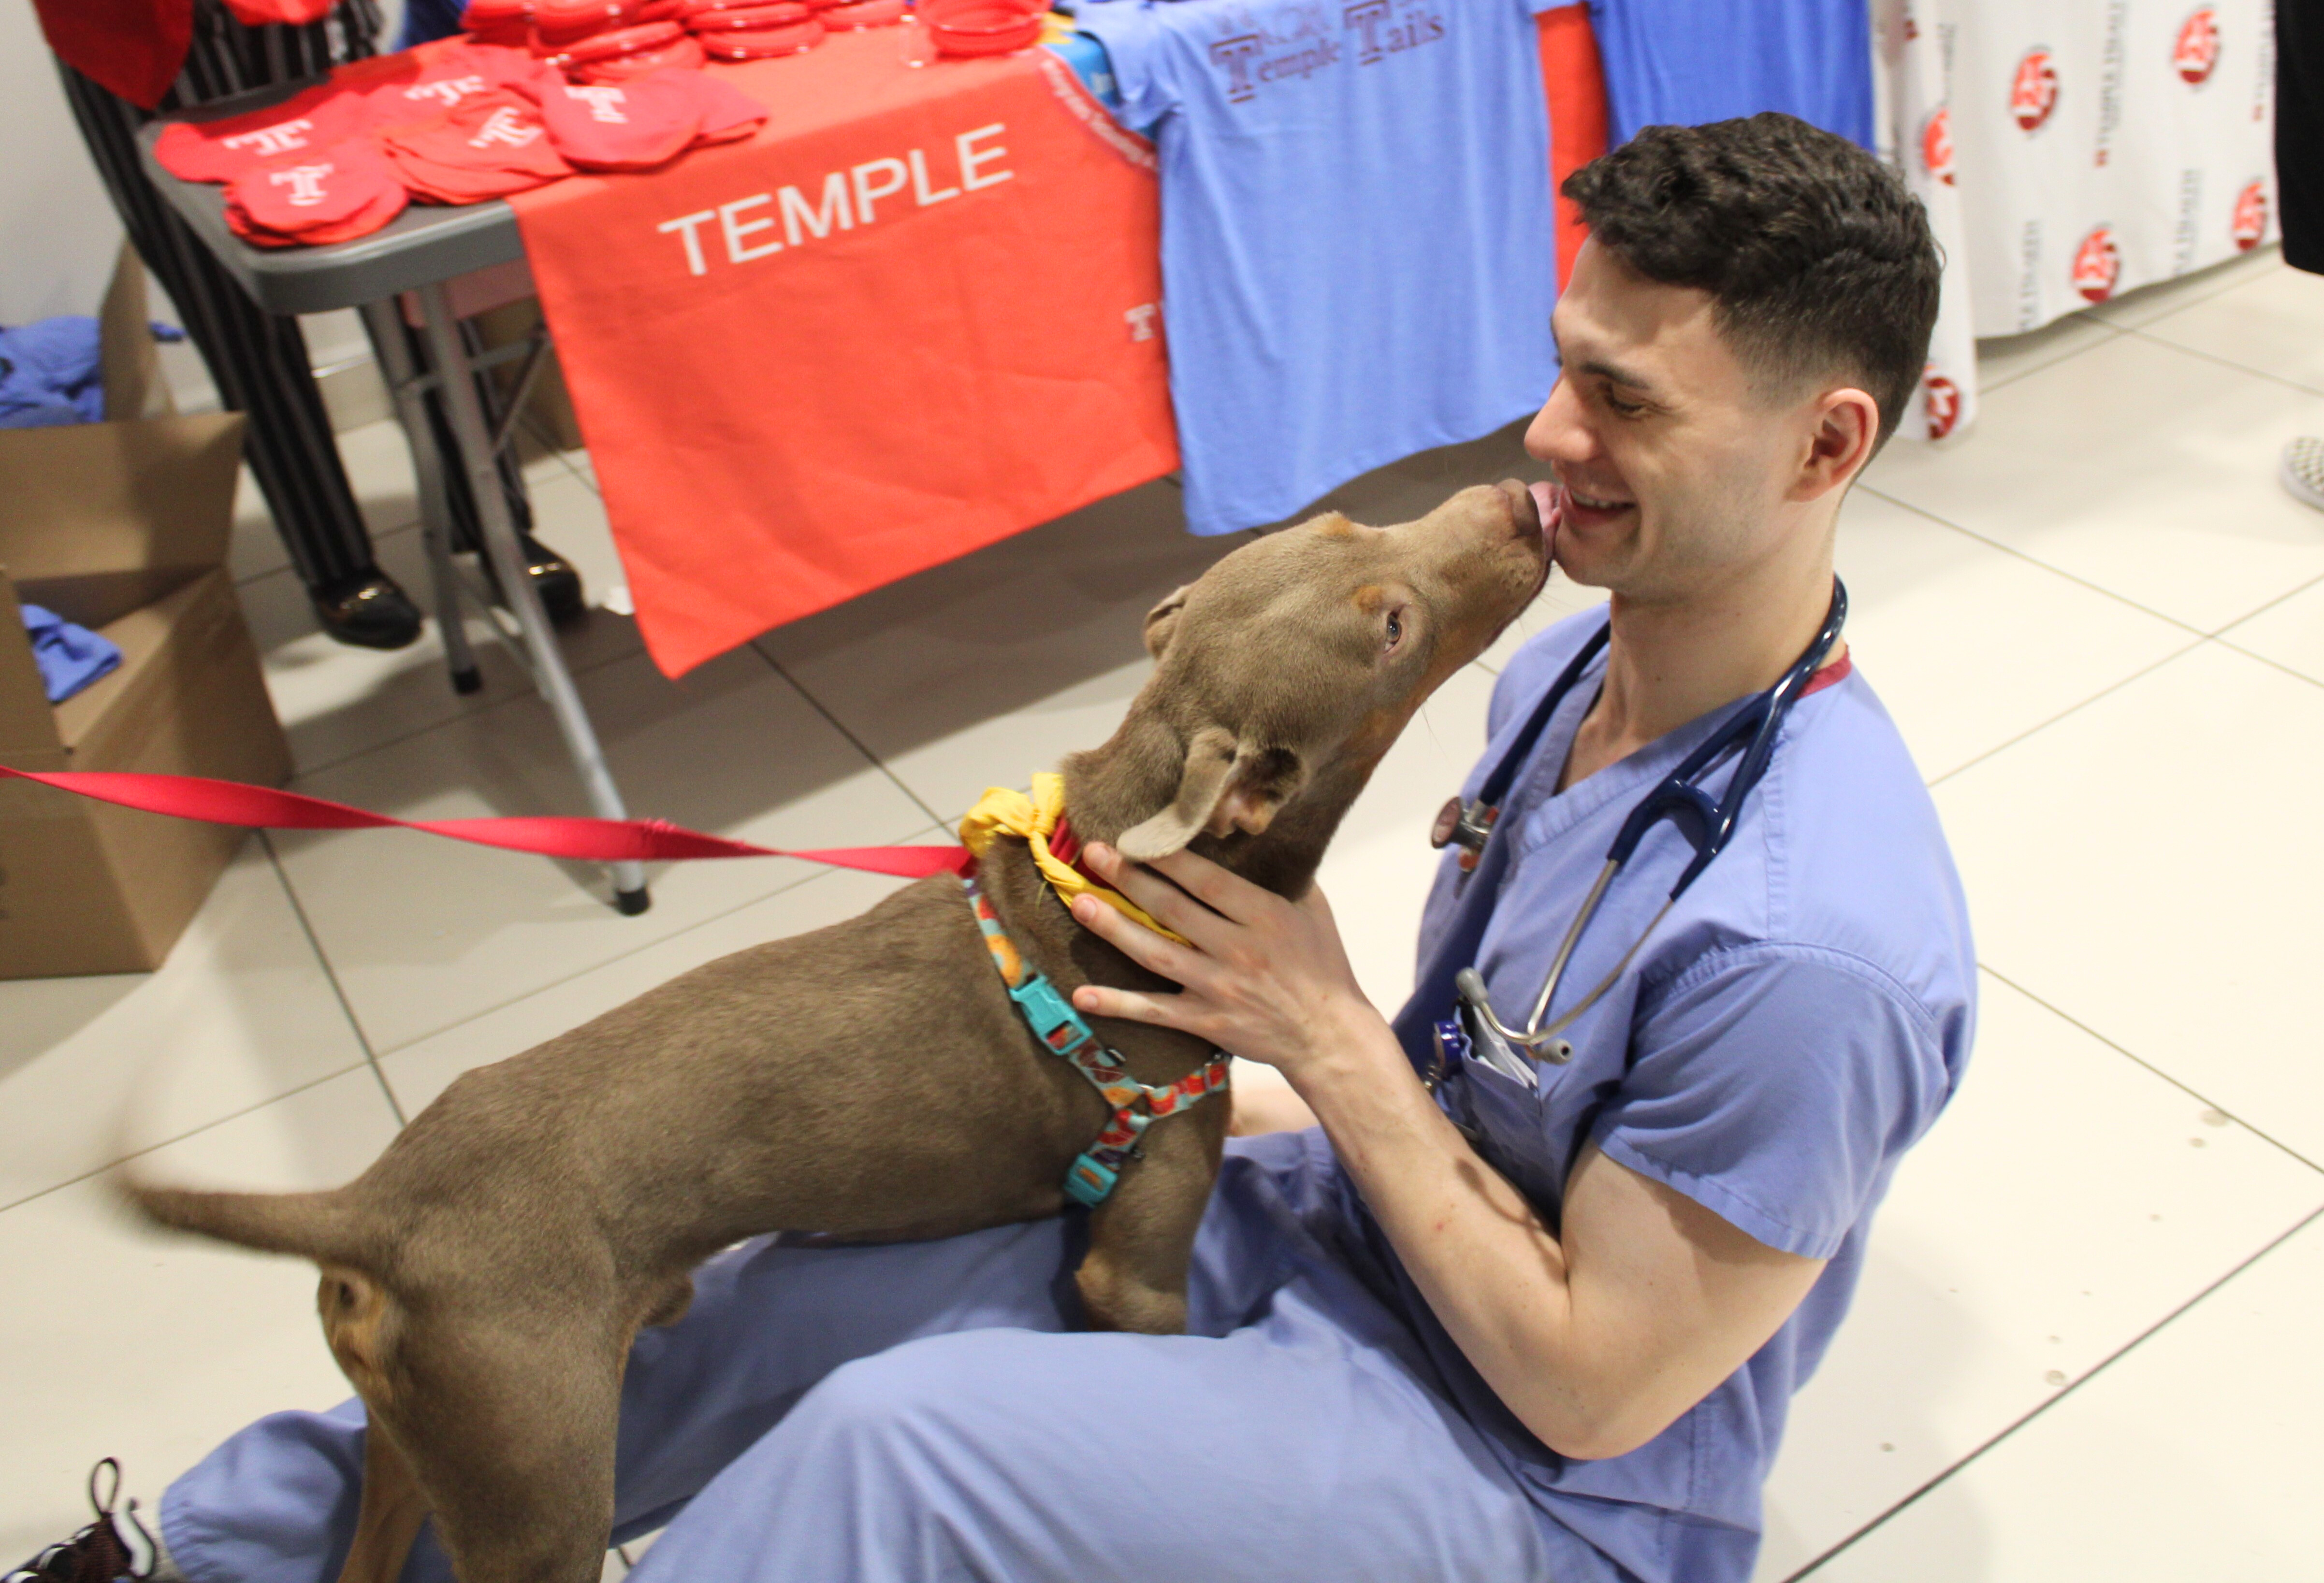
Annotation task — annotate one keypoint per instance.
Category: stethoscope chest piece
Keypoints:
(1468, 823)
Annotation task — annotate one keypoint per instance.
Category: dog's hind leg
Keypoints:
(519, 1436)
(390, 1517)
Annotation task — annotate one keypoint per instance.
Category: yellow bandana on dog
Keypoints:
(1002, 811)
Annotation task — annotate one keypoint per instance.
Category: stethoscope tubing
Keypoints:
(1760, 717)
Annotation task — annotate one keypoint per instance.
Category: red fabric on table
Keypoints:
(1575, 80)
(626, 126)
(134, 48)
(799, 421)
(297, 129)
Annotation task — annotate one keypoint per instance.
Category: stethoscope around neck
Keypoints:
(1708, 824)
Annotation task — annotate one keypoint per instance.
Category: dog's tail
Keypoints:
(319, 1226)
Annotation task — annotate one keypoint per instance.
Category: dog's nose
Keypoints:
(1525, 510)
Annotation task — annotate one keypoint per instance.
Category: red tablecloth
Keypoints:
(916, 313)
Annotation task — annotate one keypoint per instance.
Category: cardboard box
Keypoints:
(123, 526)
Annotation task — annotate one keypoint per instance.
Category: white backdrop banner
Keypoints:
(2071, 151)
(1912, 78)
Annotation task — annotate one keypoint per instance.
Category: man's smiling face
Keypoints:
(1674, 462)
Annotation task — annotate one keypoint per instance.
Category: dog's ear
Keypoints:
(1201, 782)
(1222, 786)
(1162, 620)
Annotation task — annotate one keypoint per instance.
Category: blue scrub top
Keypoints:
(1787, 1032)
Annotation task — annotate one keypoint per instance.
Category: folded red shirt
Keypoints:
(624, 126)
(727, 112)
(487, 146)
(683, 53)
(349, 189)
(296, 129)
(449, 78)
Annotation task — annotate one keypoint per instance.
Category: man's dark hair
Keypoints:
(1818, 259)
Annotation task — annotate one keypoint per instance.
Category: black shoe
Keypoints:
(554, 578)
(367, 610)
(98, 1553)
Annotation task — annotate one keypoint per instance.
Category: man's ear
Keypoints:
(1223, 787)
(1162, 620)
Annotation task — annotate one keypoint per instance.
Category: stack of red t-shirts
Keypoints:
(753, 29)
(486, 146)
(453, 123)
(345, 191)
(297, 129)
(629, 52)
(424, 83)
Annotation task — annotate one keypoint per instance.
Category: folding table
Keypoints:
(421, 252)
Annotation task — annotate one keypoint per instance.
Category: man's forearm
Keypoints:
(1489, 1267)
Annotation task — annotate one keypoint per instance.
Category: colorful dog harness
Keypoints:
(1136, 1105)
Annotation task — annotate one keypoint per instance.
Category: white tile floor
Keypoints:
(2079, 1351)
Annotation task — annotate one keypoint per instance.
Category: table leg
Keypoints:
(407, 384)
(475, 438)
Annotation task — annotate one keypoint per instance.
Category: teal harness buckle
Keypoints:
(1050, 1016)
(1137, 1106)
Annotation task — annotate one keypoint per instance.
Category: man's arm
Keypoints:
(1596, 1340)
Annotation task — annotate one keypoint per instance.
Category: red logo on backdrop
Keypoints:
(2096, 264)
(2197, 50)
(1937, 144)
(1939, 402)
(2034, 92)
(2250, 223)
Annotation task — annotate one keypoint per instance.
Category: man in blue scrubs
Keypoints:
(1563, 1352)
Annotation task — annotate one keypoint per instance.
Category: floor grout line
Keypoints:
(2112, 688)
(2215, 360)
(331, 975)
(1984, 385)
(2311, 1217)
(840, 726)
(2129, 1055)
(519, 689)
(2073, 577)
(250, 1109)
(812, 874)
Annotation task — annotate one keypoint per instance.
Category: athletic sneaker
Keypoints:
(100, 1552)
(2303, 471)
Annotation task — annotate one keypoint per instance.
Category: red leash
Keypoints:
(594, 840)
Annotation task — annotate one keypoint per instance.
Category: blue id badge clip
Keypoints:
(1465, 1038)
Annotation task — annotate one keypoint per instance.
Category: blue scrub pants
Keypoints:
(919, 1412)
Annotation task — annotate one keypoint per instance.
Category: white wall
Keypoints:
(58, 233)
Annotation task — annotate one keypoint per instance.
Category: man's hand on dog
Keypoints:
(1264, 979)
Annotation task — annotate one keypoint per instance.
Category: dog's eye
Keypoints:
(1395, 629)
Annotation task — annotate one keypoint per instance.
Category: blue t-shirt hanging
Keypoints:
(1357, 254)
(1683, 62)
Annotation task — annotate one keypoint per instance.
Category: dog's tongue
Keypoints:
(1546, 501)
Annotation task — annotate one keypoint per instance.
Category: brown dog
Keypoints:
(483, 1280)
